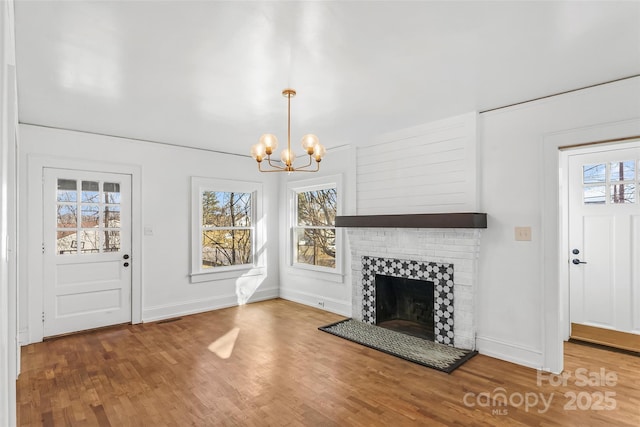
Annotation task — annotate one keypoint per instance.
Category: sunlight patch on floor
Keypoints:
(223, 346)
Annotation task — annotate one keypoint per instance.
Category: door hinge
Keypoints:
(43, 248)
(43, 317)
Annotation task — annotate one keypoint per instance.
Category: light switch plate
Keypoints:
(523, 234)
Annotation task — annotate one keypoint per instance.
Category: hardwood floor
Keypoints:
(267, 364)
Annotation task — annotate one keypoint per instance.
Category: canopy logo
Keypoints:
(500, 400)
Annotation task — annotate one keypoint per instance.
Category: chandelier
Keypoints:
(268, 144)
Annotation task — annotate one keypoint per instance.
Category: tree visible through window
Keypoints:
(314, 227)
(227, 229)
(610, 183)
(88, 217)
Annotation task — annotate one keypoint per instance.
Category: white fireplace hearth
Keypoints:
(447, 257)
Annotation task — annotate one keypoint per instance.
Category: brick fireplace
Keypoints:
(445, 256)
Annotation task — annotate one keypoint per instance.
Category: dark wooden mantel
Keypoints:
(438, 220)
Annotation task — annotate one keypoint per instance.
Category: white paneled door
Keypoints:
(604, 239)
(86, 247)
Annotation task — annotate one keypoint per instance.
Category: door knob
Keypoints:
(576, 261)
(126, 264)
(125, 256)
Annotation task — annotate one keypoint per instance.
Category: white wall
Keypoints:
(163, 186)
(518, 313)
(518, 297)
(428, 168)
(9, 360)
(309, 287)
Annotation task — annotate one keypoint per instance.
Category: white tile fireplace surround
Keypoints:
(439, 255)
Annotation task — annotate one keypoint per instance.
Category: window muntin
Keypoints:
(226, 229)
(97, 227)
(610, 183)
(314, 232)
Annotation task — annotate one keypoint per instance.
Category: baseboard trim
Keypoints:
(509, 352)
(342, 308)
(161, 312)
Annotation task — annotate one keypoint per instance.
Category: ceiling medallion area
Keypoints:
(268, 143)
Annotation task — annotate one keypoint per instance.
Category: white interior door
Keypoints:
(86, 247)
(604, 239)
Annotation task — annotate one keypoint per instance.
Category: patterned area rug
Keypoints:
(417, 350)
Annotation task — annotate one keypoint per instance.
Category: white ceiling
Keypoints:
(209, 74)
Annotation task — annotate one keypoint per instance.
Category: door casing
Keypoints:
(632, 127)
(591, 149)
(555, 270)
(31, 266)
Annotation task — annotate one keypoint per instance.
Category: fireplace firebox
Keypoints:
(405, 305)
(440, 275)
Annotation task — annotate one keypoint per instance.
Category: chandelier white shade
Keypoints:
(268, 144)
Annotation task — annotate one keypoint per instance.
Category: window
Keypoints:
(96, 229)
(224, 231)
(315, 241)
(610, 183)
(227, 231)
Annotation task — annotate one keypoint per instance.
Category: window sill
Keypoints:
(226, 274)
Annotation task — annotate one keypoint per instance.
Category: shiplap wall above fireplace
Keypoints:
(428, 169)
(423, 169)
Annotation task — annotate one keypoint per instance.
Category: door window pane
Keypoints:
(593, 173)
(67, 216)
(623, 193)
(90, 215)
(66, 242)
(594, 195)
(90, 192)
(67, 190)
(622, 171)
(111, 192)
(111, 241)
(90, 242)
(112, 216)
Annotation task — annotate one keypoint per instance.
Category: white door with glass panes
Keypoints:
(604, 239)
(86, 247)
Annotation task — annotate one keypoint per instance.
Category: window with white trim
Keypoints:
(227, 229)
(315, 241)
(224, 225)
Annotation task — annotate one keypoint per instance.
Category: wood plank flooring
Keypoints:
(267, 364)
